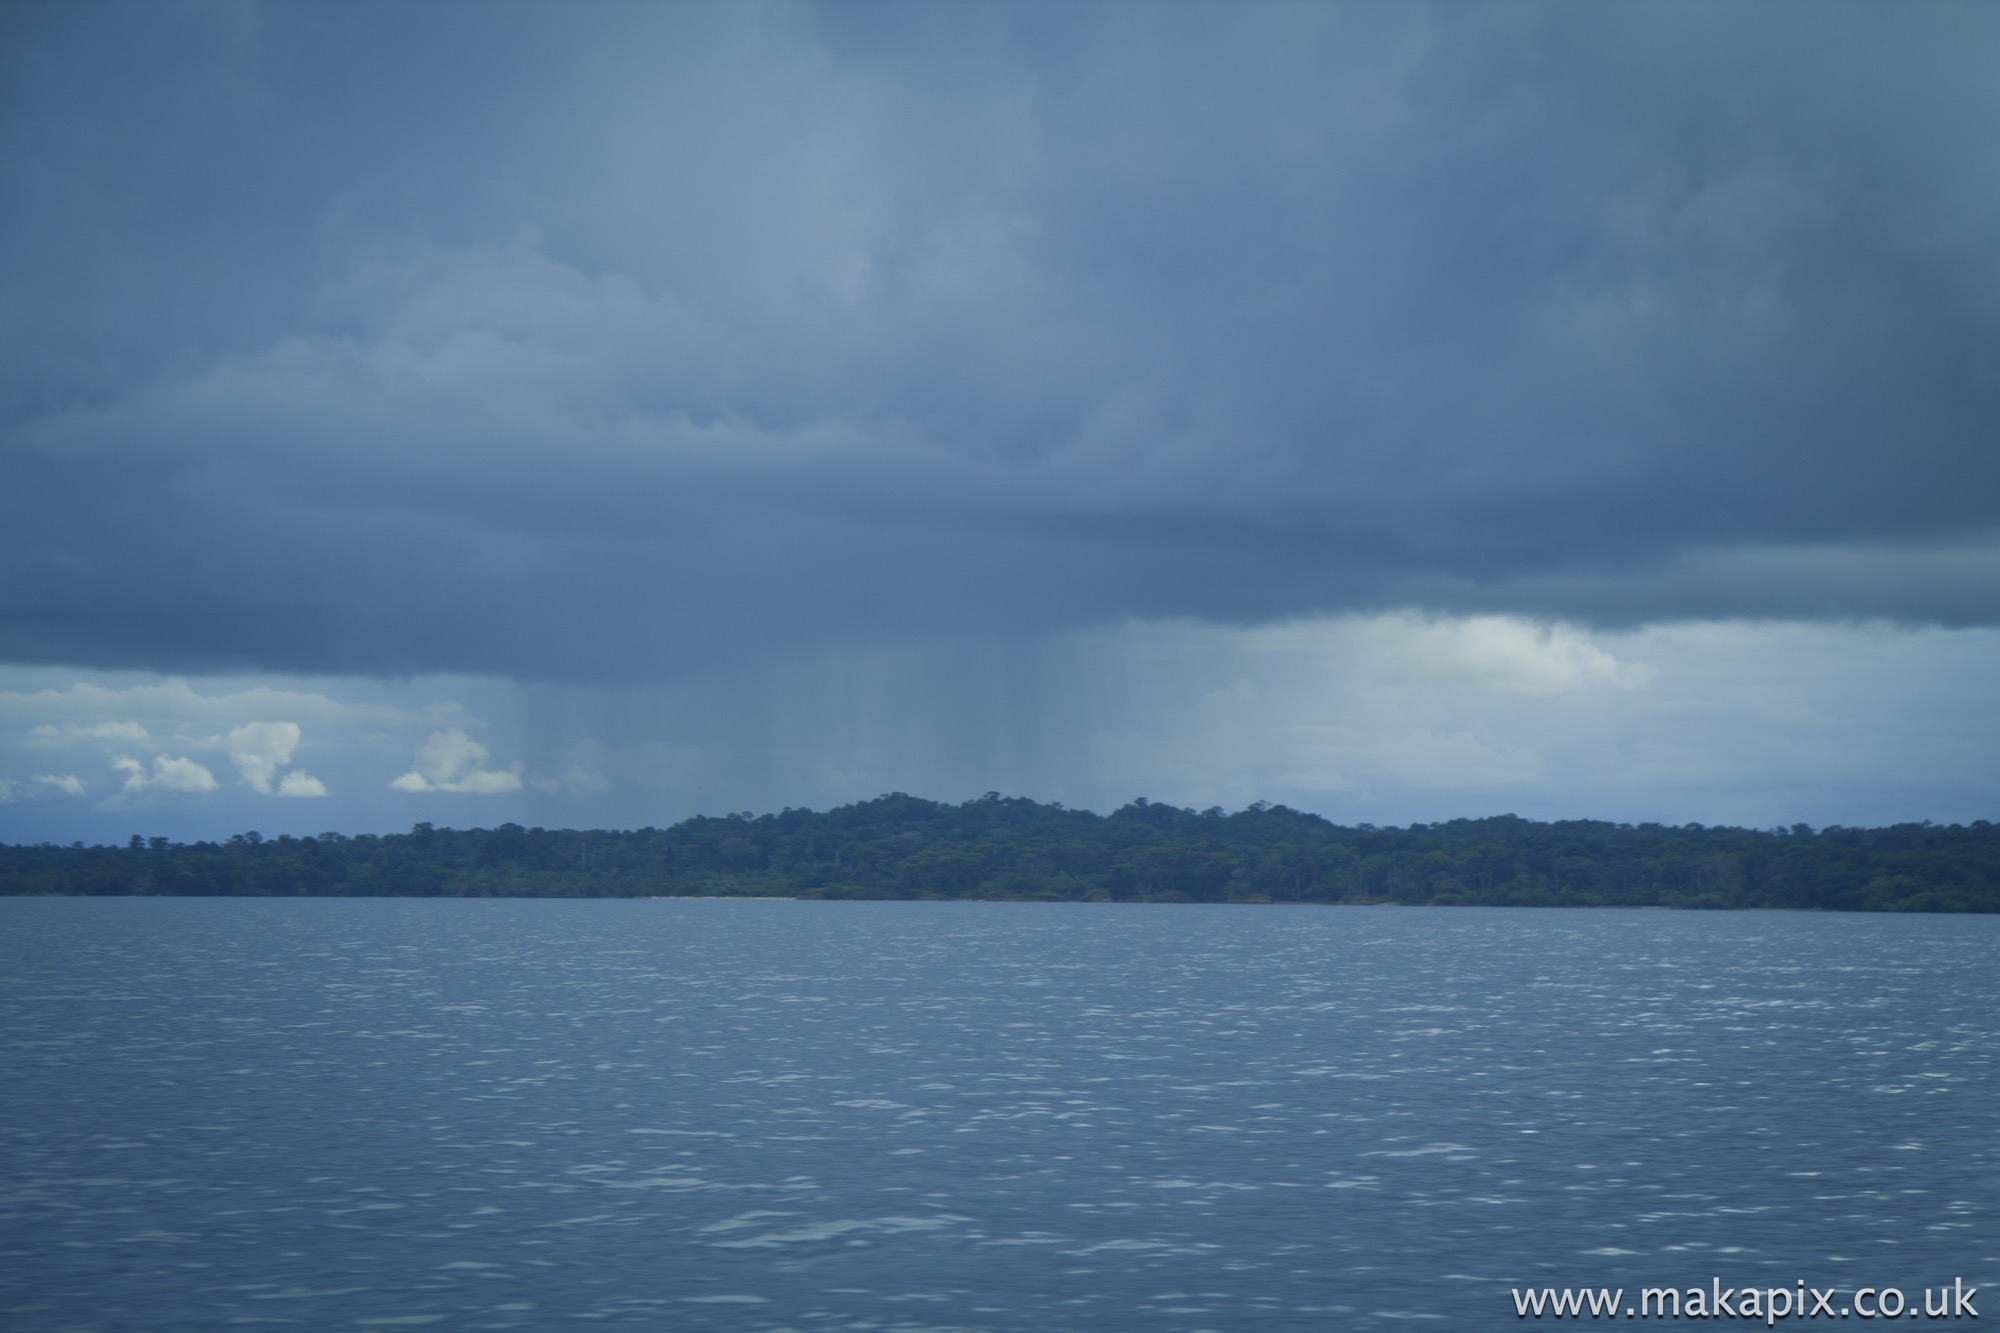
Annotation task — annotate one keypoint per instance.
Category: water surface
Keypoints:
(333, 1114)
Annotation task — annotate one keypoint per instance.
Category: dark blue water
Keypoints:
(800, 1115)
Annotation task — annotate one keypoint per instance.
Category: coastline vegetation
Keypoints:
(995, 848)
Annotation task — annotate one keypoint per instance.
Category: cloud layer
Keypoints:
(603, 414)
(618, 344)
(1382, 718)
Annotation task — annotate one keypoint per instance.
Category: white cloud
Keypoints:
(113, 731)
(66, 783)
(299, 745)
(169, 774)
(453, 761)
(1502, 653)
(142, 714)
(1331, 709)
(1508, 654)
(260, 749)
(51, 736)
(298, 782)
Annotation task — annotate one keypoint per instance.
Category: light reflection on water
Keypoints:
(915, 1116)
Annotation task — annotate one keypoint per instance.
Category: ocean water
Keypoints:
(349, 1114)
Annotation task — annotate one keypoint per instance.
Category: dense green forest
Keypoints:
(1012, 849)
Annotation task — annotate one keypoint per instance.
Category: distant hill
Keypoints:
(900, 846)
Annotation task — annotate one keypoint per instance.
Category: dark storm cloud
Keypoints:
(610, 341)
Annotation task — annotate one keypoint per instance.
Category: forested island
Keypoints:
(1015, 849)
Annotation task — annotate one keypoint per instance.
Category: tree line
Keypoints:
(900, 846)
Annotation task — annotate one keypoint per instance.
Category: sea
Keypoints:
(688, 1114)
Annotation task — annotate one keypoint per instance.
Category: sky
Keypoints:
(597, 415)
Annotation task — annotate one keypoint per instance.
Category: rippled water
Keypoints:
(803, 1115)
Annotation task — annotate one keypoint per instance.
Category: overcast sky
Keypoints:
(599, 414)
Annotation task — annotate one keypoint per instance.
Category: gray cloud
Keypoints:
(613, 343)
